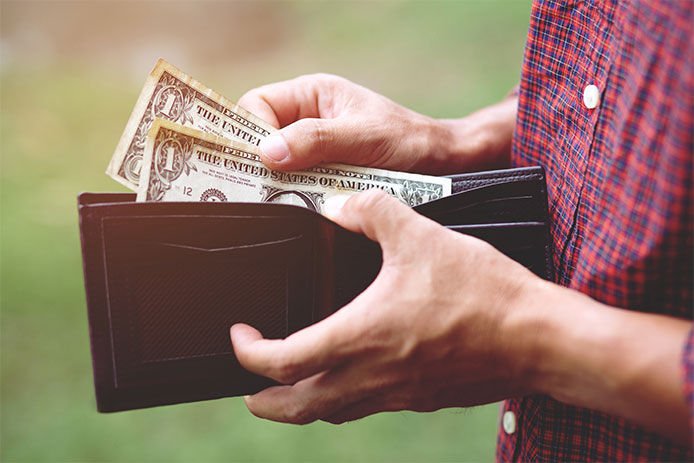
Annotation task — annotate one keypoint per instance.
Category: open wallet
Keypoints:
(165, 281)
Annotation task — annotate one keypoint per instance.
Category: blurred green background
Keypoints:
(70, 73)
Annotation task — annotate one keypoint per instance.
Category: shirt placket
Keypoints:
(589, 98)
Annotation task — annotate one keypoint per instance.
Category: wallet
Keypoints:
(164, 281)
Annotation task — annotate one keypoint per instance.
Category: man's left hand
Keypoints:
(437, 328)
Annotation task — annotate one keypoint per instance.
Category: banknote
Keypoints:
(170, 94)
(185, 164)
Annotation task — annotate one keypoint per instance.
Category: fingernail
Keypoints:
(274, 148)
(333, 205)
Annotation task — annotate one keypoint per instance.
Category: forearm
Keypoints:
(479, 141)
(621, 362)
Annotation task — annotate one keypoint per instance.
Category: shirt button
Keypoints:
(591, 96)
(509, 422)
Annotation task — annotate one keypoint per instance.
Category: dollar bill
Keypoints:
(185, 164)
(170, 94)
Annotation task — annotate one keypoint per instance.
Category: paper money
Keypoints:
(171, 94)
(184, 164)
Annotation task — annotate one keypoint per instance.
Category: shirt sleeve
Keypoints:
(688, 373)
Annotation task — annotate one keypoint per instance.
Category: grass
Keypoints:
(59, 123)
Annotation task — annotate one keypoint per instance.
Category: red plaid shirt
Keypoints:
(619, 178)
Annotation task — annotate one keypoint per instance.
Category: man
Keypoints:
(595, 366)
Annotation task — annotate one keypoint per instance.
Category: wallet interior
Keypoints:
(165, 281)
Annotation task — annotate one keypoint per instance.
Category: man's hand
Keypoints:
(432, 331)
(450, 321)
(325, 118)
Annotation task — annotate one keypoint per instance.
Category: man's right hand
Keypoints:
(325, 118)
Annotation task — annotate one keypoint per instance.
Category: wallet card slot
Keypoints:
(493, 207)
(205, 232)
(495, 203)
(523, 242)
(139, 253)
(171, 303)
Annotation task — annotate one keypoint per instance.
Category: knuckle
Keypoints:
(319, 135)
(316, 136)
(250, 96)
(324, 77)
(285, 371)
(322, 82)
(298, 414)
(335, 420)
(369, 200)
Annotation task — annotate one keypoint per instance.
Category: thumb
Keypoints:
(308, 142)
(377, 215)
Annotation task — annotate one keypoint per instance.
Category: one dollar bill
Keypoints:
(170, 94)
(184, 164)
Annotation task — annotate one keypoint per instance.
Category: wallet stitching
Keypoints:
(176, 216)
(533, 224)
(506, 173)
(108, 305)
(229, 248)
(487, 180)
(184, 357)
(498, 177)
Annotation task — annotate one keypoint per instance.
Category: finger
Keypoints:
(309, 142)
(282, 103)
(316, 348)
(260, 107)
(308, 400)
(310, 110)
(377, 215)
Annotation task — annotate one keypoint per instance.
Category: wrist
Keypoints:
(559, 331)
(579, 351)
(554, 332)
(528, 328)
(433, 141)
(479, 141)
(584, 353)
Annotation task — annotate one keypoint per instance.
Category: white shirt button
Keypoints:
(509, 422)
(591, 96)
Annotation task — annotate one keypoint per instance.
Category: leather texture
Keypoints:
(165, 281)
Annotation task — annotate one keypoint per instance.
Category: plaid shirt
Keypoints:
(620, 191)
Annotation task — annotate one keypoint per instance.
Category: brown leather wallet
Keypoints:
(165, 281)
